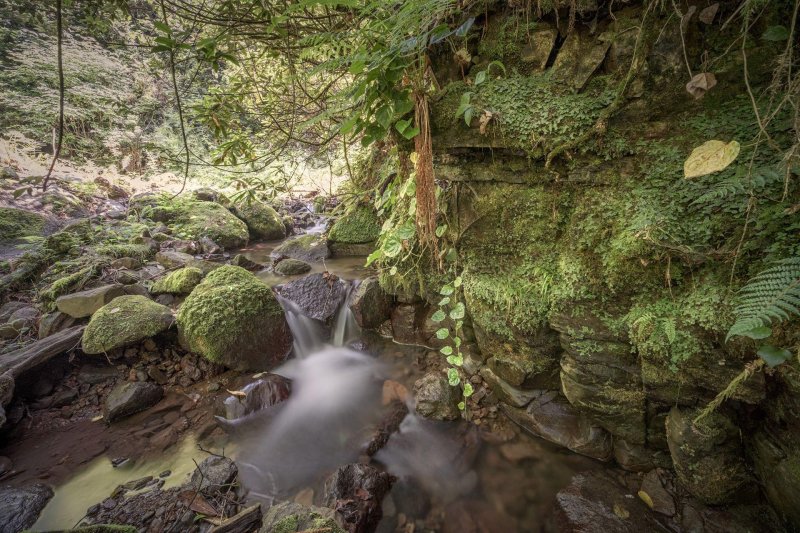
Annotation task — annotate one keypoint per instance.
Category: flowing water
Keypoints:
(288, 448)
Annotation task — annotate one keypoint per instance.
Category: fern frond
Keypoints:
(772, 295)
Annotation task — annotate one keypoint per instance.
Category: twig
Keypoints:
(57, 147)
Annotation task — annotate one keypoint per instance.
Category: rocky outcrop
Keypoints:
(125, 320)
(311, 248)
(707, 455)
(371, 306)
(233, 319)
(19, 508)
(85, 303)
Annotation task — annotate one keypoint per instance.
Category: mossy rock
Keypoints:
(290, 517)
(292, 267)
(181, 281)
(262, 220)
(18, 223)
(233, 319)
(126, 320)
(358, 226)
(311, 248)
(194, 220)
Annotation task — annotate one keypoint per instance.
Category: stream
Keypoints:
(446, 471)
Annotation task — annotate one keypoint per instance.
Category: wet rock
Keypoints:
(552, 418)
(20, 507)
(54, 322)
(213, 473)
(290, 517)
(262, 221)
(359, 225)
(129, 398)
(126, 320)
(638, 458)
(292, 267)
(208, 246)
(435, 398)
(707, 455)
(181, 281)
(318, 296)
(578, 58)
(241, 261)
(170, 259)
(596, 502)
(247, 520)
(404, 323)
(233, 319)
(266, 392)
(356, 491)
(311, 248)
(370, 305)
(85, 303)
(9, 308)
(655, 496)
(506, 392)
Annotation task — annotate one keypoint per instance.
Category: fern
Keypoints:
(773, 294)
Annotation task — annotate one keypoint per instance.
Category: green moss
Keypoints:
(225, 310)
(18, 223)
(359, 225)
(125, 320)
(67, 284)
(142, 252)
(180, 281)
(262, 220)
(287, 525)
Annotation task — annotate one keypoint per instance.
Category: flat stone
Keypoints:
(20, 508)
(170, 259)
(214, 472)
(129, 398)
(506, 392)
(85, 303)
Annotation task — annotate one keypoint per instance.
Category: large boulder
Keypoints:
(19, 508)
(130, 398)
(707, 455)
(17, 223)
(371, 306)
(181, 281)
(233, 319)
(318, 296)
(85, 303)
(262, 220)
(356, 491)
(214, 473)
(435, 398)
(125, 320)
(355, 232)
(311, 248)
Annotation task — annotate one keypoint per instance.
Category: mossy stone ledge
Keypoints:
(126, 320)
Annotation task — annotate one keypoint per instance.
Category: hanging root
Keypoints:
(426, 186)
(751, 368)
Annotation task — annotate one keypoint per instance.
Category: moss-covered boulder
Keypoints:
(233, 319)
(262, 220)
(292, 267)
(194, 220)
(181, 281)
(18, 223)
(358, 225)
(707, 455)
(311, 248)
(127, 319)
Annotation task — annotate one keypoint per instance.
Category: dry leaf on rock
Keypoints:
(707, 15)
(700, 84)
(711, 156)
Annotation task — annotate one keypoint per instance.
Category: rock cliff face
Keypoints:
(594, 274)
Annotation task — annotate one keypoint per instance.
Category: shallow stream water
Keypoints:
(490, 474)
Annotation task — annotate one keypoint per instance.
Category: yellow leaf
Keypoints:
(237, 393)
(646, 498)
(709, 157)
(620, 511)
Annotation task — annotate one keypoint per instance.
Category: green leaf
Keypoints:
(457, 341)
(461, 406)
(457, 313)
(402, 125)
(455, 360)
(161, 26)
(452, 377)
(447, 290)
(374, 256)
(440, 230)
(451, 255)
(384, 116)
(758, 333)
(438, 316)
(392, 247)
(468, 390)
(410, 134)
(447, 350)
(444, 301)
(406, 231)
(480, 77)
(347, 126)
(776, 33)
(468, 115)
(457, 281)
(774, 356)
(442, 333)
(357, 67)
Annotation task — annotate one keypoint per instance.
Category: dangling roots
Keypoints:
(426, 186)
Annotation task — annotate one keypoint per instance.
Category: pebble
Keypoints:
(150, 345)
(165, 473)
(213, 387)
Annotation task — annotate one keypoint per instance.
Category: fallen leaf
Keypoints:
(646, 498)
(707, 15)
(710, 157)
(620, 511)
(237, 393)
(486, 117)
(700, 84)
(201, 505)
